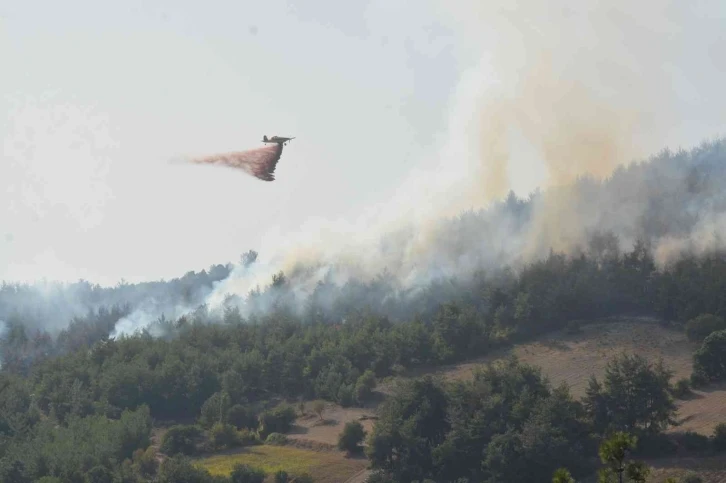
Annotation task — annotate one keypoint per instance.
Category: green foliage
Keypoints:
(694, 442)
(180, 439)
(245, 437)
(562, 475)
(697, 329)
(277, 420)
(57, 397)
(709, 361)
(179, 469)
(99, 474)
(242, 417)
(681, 389)
(718, 439)
(635, 396)
(364, 386)
(319, 408)
(613, 452)
(72, 450)
(411, 425)
(246, 474)
(351, 437)
(276, 439)
(282, 477)
(223, 436)
(691, 477)
(215, 409)
(507, 424)
(144, 463)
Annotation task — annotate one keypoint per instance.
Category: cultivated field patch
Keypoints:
(323, 466)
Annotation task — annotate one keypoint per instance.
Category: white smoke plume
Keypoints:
(589, 86)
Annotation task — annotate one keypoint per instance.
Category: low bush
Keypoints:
(276, 439)
(681, 389)
(718, 439)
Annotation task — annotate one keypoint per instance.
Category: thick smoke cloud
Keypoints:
(588, 87)
(260, 162)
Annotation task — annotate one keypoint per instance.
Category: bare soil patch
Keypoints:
(311, 428)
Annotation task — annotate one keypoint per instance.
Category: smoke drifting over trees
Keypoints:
(671, 206)
(582, 84)
(672, 202)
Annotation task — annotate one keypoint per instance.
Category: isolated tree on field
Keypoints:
(635, 396)
(351, 437)
(709, 362)
(319, 408)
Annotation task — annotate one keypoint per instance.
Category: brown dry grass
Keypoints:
(711, 469)
(573, 358)
(311, 428)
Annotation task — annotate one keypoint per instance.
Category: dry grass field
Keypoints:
(311, 428)
(573, 358)
(710, 469)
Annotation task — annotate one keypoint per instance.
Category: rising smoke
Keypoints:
(589, 86)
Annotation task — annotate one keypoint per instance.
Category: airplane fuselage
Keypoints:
(276, 139)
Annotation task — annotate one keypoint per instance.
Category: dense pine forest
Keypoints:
(78, 400)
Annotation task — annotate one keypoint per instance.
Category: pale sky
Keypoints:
(100, 95)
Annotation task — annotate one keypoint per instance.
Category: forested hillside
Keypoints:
(77, 404)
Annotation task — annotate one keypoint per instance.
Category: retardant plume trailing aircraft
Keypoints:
(260, 162)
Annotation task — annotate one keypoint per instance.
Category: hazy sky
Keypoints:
(100, 95)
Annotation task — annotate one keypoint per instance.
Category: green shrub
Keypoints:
(346, 395)
(214, 409)
(710, 359)
(99, 474)
(282, 477)
(718, 439)
(681, 389)
(697, 329)
(276, 439)
(695, 442)
(245, 437)
(180, 439)
(691, 477)
(223, 436)
(364, 386)
(351, 437)
(698, 379)
(242, 417)
(247, 474)
(655, 446)
(278, 420)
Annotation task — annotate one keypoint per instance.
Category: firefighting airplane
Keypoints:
(276, 139)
